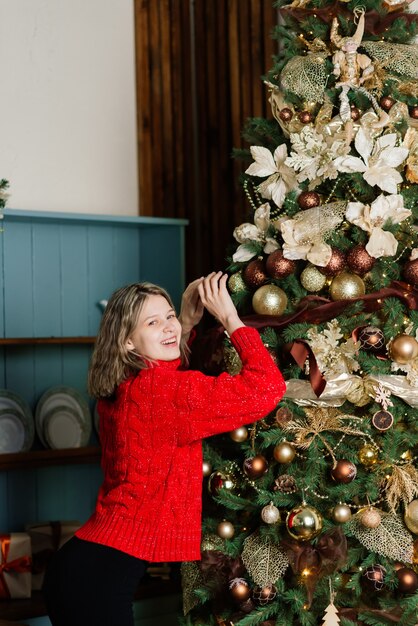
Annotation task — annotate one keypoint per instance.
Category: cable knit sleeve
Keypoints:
(225, 402)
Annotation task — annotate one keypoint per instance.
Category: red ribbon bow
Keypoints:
(18, 565)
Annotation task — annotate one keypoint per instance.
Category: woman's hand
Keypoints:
(191, 309)
(216, 299)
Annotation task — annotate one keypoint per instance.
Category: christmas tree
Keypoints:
(311, 515)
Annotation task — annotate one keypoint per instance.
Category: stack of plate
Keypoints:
(17, 428)
(63, 419)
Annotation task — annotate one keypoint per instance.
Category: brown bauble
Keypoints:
(305, 117)
(387, 102)
(286, 114)
(308, 199)
(370, 517)
(410, 272)
(240, 589)
(355, 113)
(239, 434)
(335, 265)
(407, 580)
(371, 338)
(344, 471)
(264, 595)
(359, 260)
(255, 273)
(255, 466)
(277, 266)
(413, 112)
(373, 578)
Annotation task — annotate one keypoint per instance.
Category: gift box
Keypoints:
(46, 538)
(15, 566)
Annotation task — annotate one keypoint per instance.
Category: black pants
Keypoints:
(88, 584)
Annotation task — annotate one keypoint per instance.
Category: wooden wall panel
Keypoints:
(199, 68)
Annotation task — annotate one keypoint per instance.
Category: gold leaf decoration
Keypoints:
(390, 538)
(265, 561)
(191, 579)
(402, 485)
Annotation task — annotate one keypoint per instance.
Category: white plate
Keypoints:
(12, 431)
(10, 400)
(63, 428)
(63, 397)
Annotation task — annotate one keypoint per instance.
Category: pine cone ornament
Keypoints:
(285, 484)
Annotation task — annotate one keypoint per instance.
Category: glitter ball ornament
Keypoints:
(413, 112)
(306, 117)
(370, 517)
(359, 260)
(206, 468)
(284, 452)
(355, 113)
(403, 349)
(407, 580)
(239, 434)
(304, 522)
(382, 420)
(264, 595)
(283, 416)
(371, 338)
(411, 516)
(368, 455)
(308, 199)
(346, 286)
(240, 589)
(221, 480)
(285, 484)
(335, 265)
(387, 102)
(255, 466)
(225, 530)
(344, 471)
(269, 300)
(341, 513)
(255, 273)
(270, 514)
(410, 272)
(286, 114)
(312, 279)
(277, 266)
(236, 283)
(374, 578)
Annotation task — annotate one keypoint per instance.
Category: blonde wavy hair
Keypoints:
(111, 361)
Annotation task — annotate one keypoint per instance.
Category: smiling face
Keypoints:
(157, 333)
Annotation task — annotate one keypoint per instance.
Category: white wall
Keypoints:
(67, 105)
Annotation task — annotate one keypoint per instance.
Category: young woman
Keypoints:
(153, 415)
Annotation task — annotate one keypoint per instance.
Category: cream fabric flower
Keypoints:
(372, 219)
(249, 235)
(281, 178)
(379, 159)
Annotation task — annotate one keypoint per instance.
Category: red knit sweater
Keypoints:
(149, 504)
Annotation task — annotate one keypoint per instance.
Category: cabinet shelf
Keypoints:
(46, 458)
(29, 341)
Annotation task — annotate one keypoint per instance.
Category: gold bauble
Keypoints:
(370, 517)
(284, 452)
(236, 283)
(269, 300)
(206, 468)
(226, 530)
(312, 279)
(368, 455)
(346, 286)
(403, 349)
(411, 516)
(270, 514)
(341, 513)
(304, 522)
(239, 434)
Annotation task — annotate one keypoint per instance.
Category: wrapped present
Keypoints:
(15, 566)
(46, 538)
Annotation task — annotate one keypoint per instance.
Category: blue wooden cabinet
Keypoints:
(55, 269)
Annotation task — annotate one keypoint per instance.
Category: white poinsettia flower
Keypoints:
(379, 158)
(414, 255)
(373, 218)
(281, 178)
(250, 235)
